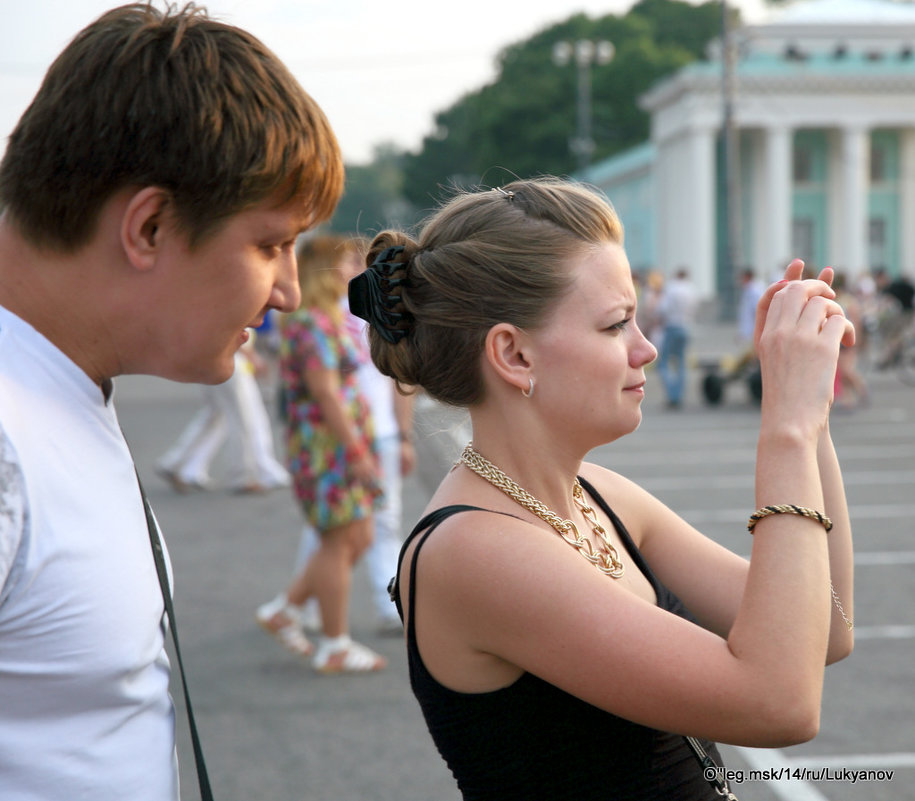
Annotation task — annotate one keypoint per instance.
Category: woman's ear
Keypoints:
(507, 350)
(141, 226)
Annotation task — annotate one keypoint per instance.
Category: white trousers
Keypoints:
(233, 412)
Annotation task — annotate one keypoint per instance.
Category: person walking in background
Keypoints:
(148, 213)
(895, 315)
(233, 412)
(392, 423)
(865, 292)
(649, 314)
(851, 388)
(268, 335)
(331, 458)
(541, 619)
(676, 309)
(751, 290)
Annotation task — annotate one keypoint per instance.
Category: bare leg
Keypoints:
(852, 380)
(327, 577)
(328, 574)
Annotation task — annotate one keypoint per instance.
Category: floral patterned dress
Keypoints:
(330, 497)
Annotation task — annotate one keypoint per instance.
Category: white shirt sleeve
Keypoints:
(12, 508)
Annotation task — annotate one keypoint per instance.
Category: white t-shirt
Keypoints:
(678, 303)
(746, 310)
(84, 706)
(377, 388)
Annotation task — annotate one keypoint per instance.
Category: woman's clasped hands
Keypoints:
(799, 330)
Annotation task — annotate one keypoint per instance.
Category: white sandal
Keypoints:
(342, 655)
(289, 633)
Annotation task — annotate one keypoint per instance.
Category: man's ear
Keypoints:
(507, 351)
(141, 226)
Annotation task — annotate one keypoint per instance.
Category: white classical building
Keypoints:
(824, 106)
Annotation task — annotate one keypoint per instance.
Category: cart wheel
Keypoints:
(754, 382)
(713, 389)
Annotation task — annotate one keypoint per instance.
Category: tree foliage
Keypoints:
(522, 123)
(373, 196)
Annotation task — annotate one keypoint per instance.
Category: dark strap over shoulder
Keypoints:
(428, 524)
(203, 779)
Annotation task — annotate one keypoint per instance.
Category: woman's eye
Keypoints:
(621, 325)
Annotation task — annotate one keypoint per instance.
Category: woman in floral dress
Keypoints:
(330, 457)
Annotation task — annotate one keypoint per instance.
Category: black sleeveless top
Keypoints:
(532, 741)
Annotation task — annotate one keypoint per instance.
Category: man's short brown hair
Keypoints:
(171, 99)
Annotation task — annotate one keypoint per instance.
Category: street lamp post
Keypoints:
(586, 53)
(731, 142)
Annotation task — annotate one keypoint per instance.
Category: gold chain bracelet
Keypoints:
(813, 514)
(835, 599)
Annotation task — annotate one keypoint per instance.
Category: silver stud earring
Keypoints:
(530, 391)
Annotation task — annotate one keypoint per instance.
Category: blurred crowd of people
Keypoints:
(880, 306)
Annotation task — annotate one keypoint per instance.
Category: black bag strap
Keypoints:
(206, 793)
(713, 774)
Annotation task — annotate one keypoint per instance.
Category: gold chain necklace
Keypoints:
(606, 560)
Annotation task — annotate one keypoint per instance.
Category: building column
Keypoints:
(855, 194)
(779, 201)
(684, 187)
(906, 201)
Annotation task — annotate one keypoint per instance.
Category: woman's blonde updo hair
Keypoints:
(484, 258)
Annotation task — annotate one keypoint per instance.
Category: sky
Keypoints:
(379, 70)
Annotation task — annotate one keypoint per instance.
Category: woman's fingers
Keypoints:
(794, 271)
(799, 326)
(812, 287)
(804, 300)
(833, 309)
(793, 276)
(827, 274)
